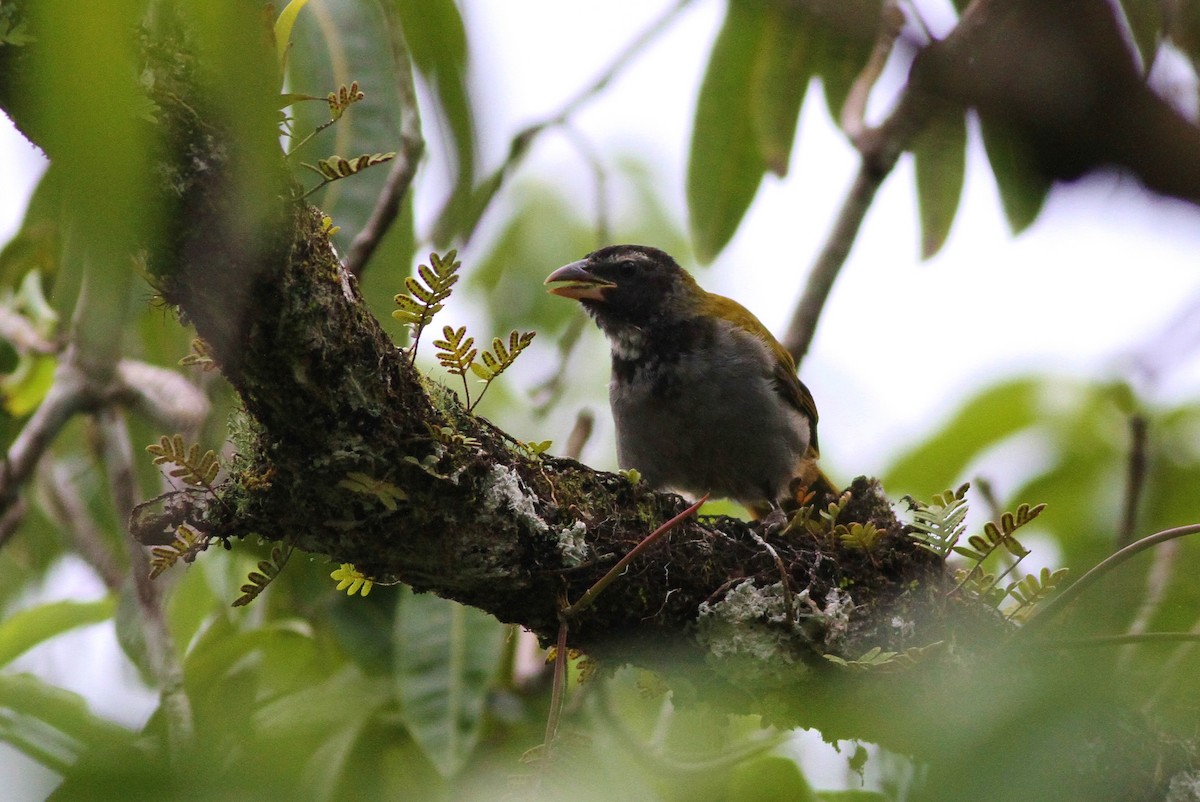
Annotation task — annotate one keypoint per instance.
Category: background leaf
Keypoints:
(447, 656)
(724, 164)
(1023, 188)
(25, 629)
(940, 159)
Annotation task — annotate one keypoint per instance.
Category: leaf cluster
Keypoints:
(258, 580)
(351, 580)
(937, 526)
(191, 466)
(385, 492)
(876, 658)
(335, 168)
(186, 545)
(424, 300)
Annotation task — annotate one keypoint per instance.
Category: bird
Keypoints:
(704, 399)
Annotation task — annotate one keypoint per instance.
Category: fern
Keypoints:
(876, 657)
(1031, 590)
(937, 526)
(997, 536)
(200, 357)
(186, 545)
(447, 435)
(457, 353)
(192, 467)
(258, 580)
(344, 98)
(351, 580)
(423, 301)
(819, 522)
(499, 359)
(863, 537)
(335, 168)
(385, 492)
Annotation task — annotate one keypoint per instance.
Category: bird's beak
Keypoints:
(581, 285)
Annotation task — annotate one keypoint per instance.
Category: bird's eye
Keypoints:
(626, 268)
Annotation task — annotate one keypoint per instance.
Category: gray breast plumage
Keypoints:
(710, 422)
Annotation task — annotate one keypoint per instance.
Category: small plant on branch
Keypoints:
(424, 300)
(351, 580)
(937, 526)
(192, 466)
(258, 580)
(186, 545)
(336, 168)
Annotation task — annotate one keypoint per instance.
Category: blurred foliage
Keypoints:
(310, 694)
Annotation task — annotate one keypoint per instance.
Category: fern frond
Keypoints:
(335, 168)
(999, 535)
(351, 580)
(201, 356)
(860, 536)
(937, 526)
(456, 353)
(385, 492)
(186, 545)
(192, 467)
(344, 98)
(1031, 590)
(447, 435)
(258, 580)
(424, 300)
(499, 358)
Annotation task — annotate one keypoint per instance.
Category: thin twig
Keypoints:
(68, 394)
(160, 645)
(824, 272)
(524, 139)
(1052, 607)
(589, 596)
(408, 156)
(621, 61)
(854, 110)
(581, 432)
(68, 510)
(880, 148)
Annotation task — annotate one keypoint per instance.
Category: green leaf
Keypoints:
(51, 725)
(839, 54)
(447, 656)
(940, 158)
(768, 779)
(283, 28)
(24, 390)
(338, 42)
(782, 74)
(986, 419)
(27, 628)
(1146, 24)
(437, 40)
(1023, 188)
(724, 165)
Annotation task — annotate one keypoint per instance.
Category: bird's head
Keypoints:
(630, 285)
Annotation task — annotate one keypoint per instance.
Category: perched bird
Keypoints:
(704, 399)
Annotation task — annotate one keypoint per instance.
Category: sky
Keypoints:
(1088, 288)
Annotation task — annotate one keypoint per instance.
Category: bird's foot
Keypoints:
(775, 521)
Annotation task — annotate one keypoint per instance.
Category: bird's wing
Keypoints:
(783, 375)
(788, 384)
